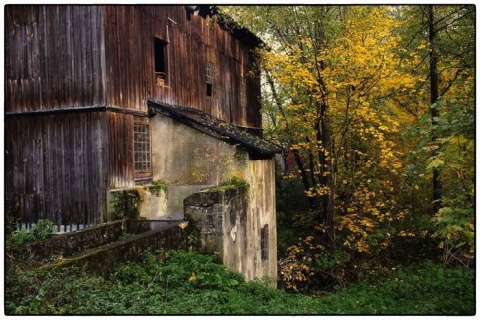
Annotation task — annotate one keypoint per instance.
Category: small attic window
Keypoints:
(210, 79)
(160, 61)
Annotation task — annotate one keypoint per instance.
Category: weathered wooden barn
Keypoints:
(105, 98)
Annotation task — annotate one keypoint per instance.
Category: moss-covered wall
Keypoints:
(103, 260)
(147, 202)
(67, 244)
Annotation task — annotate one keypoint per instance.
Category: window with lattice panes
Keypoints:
(141, 148)
(210, 79)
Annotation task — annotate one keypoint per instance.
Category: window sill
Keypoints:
(143, 180)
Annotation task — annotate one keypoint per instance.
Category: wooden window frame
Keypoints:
(142, 148)
(210, 79)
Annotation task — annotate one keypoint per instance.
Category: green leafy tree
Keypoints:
(444, 37)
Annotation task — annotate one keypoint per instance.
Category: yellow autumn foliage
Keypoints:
(358, 71)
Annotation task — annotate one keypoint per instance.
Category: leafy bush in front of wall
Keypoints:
(126, 202)
(43, 229)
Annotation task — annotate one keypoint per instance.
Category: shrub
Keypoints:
(43, 229)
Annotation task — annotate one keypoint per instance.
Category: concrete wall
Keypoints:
(140, 202)
(189, 160)
(229, 223)
(217, 222)
(261, 213)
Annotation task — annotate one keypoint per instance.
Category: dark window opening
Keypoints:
(160, 61)
(210, 79)
(264, 242)
(141, 149)
(209, 90)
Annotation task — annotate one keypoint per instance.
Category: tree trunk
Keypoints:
(436, 182)
(323, 134)
(303, 174)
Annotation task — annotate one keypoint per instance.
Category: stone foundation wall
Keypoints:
(217, 222)
(103, 260)
(68, 243)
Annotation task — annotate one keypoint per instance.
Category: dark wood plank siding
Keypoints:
(192, 41)
(61, 59)
(55, 168)
(53, 57)
(254, 118)
(120, 150)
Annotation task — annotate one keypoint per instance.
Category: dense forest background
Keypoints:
(375, 107)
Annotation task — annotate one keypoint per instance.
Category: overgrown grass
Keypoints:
(180, 282)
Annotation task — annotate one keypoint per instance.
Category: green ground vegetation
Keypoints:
(180, 282)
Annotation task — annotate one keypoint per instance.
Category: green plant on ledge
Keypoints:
(157, 186)
(231, 184)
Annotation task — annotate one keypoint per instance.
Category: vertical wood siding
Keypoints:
(55, 168)
(120, 150)
(60, 166)
(192, 41)
(63, 57)
(53, 57)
